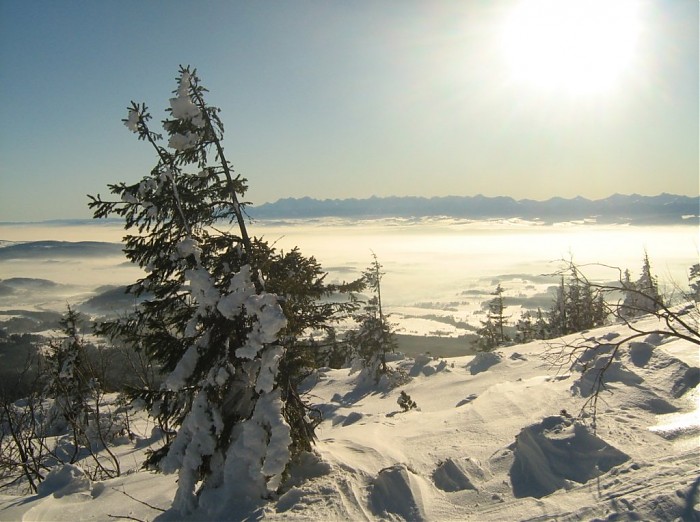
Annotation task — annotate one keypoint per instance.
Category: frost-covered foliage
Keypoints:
(73, 384)
(69, 378)
(578, 306)
(226, 314)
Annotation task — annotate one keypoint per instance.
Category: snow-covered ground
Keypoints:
(492, 439)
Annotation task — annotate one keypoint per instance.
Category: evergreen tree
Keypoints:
(333, 351)
(225, 316)
(600, 310)
(558, 317)
(69, 379)
(492, 331)
(72, 382)
(576, 307)
(541, 328)
(694, 279)
(374, 336)
(525, 328)
(642, 296)
(649, 286)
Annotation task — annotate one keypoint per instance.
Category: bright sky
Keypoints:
(339, 99)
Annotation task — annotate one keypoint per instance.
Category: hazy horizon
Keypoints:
(445, 267)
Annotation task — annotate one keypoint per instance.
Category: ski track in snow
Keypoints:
(452, 458)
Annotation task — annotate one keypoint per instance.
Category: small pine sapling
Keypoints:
(406, 402)
(374, 337)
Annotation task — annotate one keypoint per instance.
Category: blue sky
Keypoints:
(344, 99)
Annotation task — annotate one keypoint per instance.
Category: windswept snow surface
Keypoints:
(493, 438)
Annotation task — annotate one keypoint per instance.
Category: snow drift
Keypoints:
(547, 455)
(491, 444)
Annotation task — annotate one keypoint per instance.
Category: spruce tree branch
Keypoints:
(166, 160)
(125, 517)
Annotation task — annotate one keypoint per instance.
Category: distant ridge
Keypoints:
(59, 249)
(618, 208)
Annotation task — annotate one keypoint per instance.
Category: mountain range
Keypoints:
(618, 208)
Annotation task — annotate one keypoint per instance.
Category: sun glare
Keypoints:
(577, 46)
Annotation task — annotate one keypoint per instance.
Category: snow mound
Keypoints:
(689, 380)
(458, 475)
(483, 361)
(352, 418)
(396, 494)
(549, 454)
(306, 466)
(426, 365)
(64, 480)
(616, 371)
(640, 353)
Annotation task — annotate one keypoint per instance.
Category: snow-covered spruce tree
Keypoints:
(694, 282)
(68, 379)
(72, 381)
(223, 317)
(577, 306)
(374, 336)
(311, 306)
(492, 331)
(531, 326)
(557, 315)
(642, 296)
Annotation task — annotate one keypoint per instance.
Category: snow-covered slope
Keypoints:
(493, 438)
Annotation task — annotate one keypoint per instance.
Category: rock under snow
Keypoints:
(396, 494)
(483, 361)
(458, 474)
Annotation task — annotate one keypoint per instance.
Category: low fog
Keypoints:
(439, 272)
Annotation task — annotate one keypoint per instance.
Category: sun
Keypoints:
(575, 46)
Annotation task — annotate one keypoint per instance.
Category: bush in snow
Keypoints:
(406, 402)
(78, 399)
(227, 314)
(24, 452)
